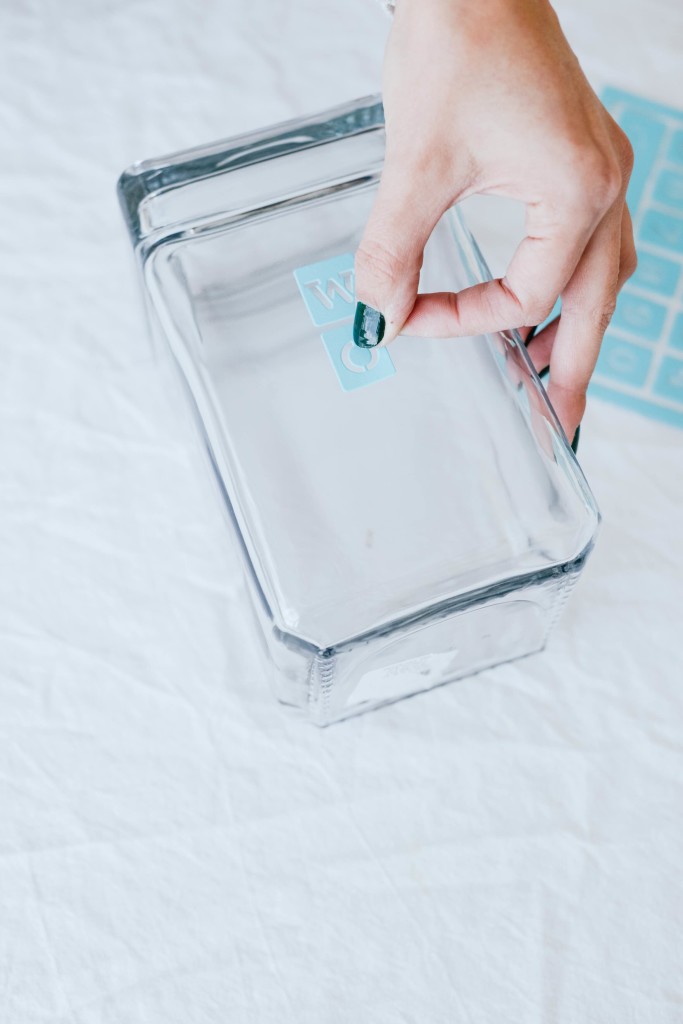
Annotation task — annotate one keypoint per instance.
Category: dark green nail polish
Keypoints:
(368, 326)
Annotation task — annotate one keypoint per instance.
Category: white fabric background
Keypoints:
(175, 848)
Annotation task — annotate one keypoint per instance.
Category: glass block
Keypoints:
(405, 518)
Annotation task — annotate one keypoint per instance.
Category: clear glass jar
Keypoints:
(407, 517)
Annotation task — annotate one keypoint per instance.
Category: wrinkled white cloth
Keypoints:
(176, 848)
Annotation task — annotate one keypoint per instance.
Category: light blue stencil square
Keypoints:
(621, 361)
(669, 382)
(327, 288)
(656, 274)
(676, 338)
(639, 316)
(355, 367)
(669, 189)
(662, 229)
(675, 153)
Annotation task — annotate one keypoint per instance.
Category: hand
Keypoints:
(487, 97)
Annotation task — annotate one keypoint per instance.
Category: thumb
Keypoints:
(389, 257)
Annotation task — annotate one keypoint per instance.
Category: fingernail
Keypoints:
(575, 441)
(368, 326)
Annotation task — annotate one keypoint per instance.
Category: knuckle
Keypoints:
(595, 319)
(536, 310)
(629, 265)
(606, 181)
(604, 317)
(625, 152)
(593, 176)
(574, 389)
(600, 319)
(453, 307)
(533, 309)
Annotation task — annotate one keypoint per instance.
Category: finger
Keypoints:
(541, 267)
(541, 345)
(389, 257)
(588, 303)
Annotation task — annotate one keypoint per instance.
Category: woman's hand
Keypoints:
(487, 97)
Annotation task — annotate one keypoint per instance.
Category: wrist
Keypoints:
(469, 27)
(467, 11)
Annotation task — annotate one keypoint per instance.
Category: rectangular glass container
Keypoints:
(404, 520)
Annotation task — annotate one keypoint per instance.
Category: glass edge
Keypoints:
(460, 602)
(148, 178)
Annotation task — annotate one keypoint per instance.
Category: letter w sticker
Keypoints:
(327, 288)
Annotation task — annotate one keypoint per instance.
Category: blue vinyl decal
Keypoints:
(328, 291)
